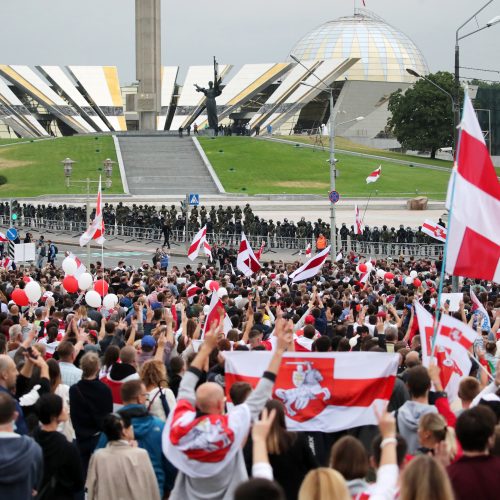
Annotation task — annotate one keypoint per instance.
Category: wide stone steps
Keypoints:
(164, 165)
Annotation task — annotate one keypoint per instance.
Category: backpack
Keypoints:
(56, 250)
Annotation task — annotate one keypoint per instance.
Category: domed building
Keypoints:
(385, 52)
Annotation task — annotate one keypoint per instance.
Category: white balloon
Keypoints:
(92, 298)
(33, 291)
(380, 273)
(369, 266)
(221, 292)
(110, 301)
(207, 284)
(408, 280)
(69, 266)
(85, 281)
(414, 274)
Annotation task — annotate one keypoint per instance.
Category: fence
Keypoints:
(274, 243)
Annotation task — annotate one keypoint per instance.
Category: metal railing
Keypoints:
(273, 243)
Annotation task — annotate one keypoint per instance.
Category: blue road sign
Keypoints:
(194, 199)
(334, 196)
(12, 234)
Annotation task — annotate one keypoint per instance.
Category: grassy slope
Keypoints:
(268, 167)
(348, 145)
(35, 168)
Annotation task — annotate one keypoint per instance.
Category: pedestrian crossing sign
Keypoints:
(194, 199)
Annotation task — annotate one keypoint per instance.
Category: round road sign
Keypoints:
(334, 196)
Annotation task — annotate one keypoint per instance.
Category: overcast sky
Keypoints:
(101, 32)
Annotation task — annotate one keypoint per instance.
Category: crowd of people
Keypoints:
(224, 224)
(117, 402)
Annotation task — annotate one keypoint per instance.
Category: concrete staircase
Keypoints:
(164, 165)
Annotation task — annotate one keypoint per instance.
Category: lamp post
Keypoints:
(108, 171)
(332, 161)
(68, 170)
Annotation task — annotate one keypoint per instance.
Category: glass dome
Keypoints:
(385, 52)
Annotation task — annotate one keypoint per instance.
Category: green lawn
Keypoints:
(346, 144)
(247, 165)
(35, 168)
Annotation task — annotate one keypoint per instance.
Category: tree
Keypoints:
(422, 116)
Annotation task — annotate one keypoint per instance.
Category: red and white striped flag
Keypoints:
(215, 309)
(358, 223)
(191, 292)
(373, 177)
(80, 266)
(258, 253)
(7, 263)
(3, 237)
(474, 205)
(207, 249)
(308, 251)
(96, 229)
(434, 230)
(311, 267)
(453, 339)
(247, 262)
(198, 243)
(325, 392)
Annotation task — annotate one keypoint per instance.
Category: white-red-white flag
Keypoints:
(80, 266)
(215, 309)
(7, 263)
(258, 253)
(325, 392)
(474, 205)
(311, 267)
(453, 338)
(308, 251)
(247, 261)
(358, 223)
(96, 229)
(191, 292)
(3, 237)
(207, 249)
(198, 243)
(374, 176)
(434, 230)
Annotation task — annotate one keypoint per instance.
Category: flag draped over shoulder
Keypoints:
(326, 392)
(96, 229)
(474, 204)
(213, 316)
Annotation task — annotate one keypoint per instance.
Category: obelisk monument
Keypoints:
(148, 61)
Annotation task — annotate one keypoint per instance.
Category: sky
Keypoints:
(101, 32)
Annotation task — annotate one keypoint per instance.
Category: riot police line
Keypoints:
(346, 242)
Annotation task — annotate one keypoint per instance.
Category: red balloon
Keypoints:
(26, 279)
(417, 282)
(70, 284)
(214, 286)
(19, 297)
(389, 276)
(101, 287)
(363, 268)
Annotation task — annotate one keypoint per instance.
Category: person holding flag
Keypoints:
(203, 442)
(96, 229)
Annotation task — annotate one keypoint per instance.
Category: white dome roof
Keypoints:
(385, 52)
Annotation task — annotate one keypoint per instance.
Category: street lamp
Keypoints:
(68, 169)
(332, 161)
(108, 171)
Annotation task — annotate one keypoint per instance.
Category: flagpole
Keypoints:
(364, 213)
(445, 251)
(88, 220)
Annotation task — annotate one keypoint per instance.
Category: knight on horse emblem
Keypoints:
(307, 381)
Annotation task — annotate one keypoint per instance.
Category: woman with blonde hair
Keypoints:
(160, 400)
(324, 484)
(424, 478)
(432, 430)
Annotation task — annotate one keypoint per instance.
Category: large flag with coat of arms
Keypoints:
(325, 392)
